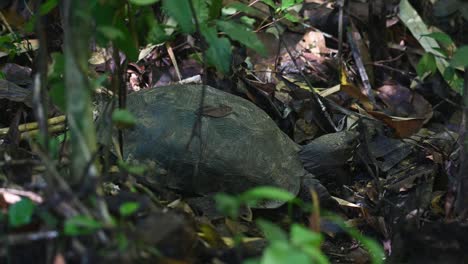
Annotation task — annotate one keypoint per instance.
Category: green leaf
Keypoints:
(242, 34)
(269, 3)
(143, 2)
(111, 33)
(20, 213)
(56, 82)
(280, 252)
(271, 231)
(123, 118)
(285, 4)
(305, 237)
(47, 6)
(181, 12)
(460, 58)
(201, 9)
(227, 205)
(441, 37)
(132, 169)
(128, 208)
(215, 9)
(426, 64)
(80, 225)
(219, 51)
(292, 17)
(267, 193)
(241, 7)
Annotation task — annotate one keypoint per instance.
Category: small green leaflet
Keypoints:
(128, 208)
(426, 64)
(80, 225)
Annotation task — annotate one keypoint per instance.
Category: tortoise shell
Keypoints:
(239, 146)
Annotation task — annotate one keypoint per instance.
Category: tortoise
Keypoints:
(239, 145)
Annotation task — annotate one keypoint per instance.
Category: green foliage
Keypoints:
(56, 81)
(242, 34)
(132, 169)
(80, 225)
(123, 119)
(128, 208)
(440, 37)
(230, 205)
(143, 2)
(20, 213)
(47, 6)
(180, 10)
(427, 64)
(219, 50)
(301, 246)
(460, 58)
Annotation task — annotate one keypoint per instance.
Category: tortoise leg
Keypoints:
(308, 183)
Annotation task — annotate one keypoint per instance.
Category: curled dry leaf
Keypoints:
(405, 110)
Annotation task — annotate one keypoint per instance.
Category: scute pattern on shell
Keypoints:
(241, 150)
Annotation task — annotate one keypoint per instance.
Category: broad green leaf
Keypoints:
(241, 7)
(242, 34)
(20, 213)
(460, 58)
(128, 208)
(441, 37)
(410, 17)
(201, 9)
(270, 3)
(47, 6)
(123, 118)
(267, 193)
(247, 21)
(143, 2)
(292, 17)
(271, 231)
(426, 64)
(304, 236)
(157, 34)
(219, 50)
(181, 12)
(280, 252)
(215, 9)
(80, 225)
(227, 205)
(285, 4)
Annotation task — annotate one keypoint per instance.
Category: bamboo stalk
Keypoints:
(34, 126)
